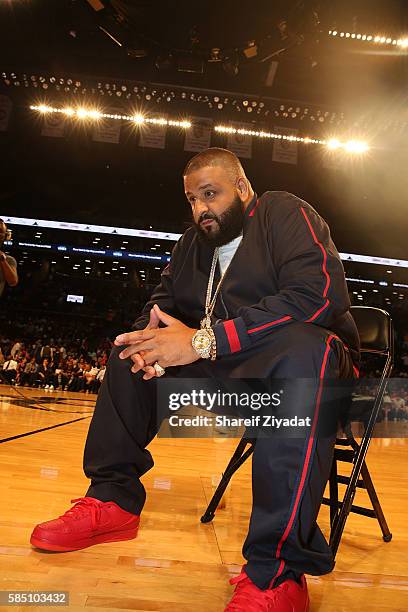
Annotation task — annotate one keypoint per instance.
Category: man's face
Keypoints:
(218, 211)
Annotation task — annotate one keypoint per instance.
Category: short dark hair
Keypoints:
(216, 156)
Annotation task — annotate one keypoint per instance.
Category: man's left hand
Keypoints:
(170, 345)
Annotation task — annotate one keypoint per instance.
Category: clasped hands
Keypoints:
(169, 346)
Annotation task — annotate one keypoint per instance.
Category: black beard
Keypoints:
(230, 225)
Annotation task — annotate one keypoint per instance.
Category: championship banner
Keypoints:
(53, 125)
(238, 143)
(5, 112)
(285, 151)
(198, 137)
(108, 130)
(153, 135)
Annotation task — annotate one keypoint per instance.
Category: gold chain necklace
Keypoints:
(205, 322)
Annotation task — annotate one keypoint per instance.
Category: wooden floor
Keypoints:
(176, 564)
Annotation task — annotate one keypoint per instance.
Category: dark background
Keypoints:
(74, 178)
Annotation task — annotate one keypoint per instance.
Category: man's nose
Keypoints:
(200, 208)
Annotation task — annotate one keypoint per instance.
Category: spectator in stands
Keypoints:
(47, 352)
(88, 377)
(61, 375)
(75, 381)
(62, 352)
(99, 379)
(29, 374)
(10, 370)
(21, 363)
(16, 349)
(45, 375)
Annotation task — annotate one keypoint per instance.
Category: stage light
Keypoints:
(356, 146)
(42, 108)
(83, 113)
(94, 114)
(403, 43)
(139, 119)
(261, 134)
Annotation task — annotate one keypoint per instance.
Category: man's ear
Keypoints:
(242, 186)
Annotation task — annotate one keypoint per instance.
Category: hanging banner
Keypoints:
(198, 137)
(153, 135)
(240, 144)
(285, 151)
(53, 125)
(108, 130)
(5, 112)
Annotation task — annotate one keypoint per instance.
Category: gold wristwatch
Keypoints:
(204, 343)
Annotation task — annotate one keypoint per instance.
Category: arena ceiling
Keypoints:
(175, 44)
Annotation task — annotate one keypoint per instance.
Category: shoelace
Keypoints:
(247, 597)
(84, 505)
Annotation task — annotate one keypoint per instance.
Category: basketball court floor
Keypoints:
(176, 564)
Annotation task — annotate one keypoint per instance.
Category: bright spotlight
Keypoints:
(94, 114)
(333, 144)
(43, 108)
(403, 43)
(139, 119)
(82, 113)
(356, 146)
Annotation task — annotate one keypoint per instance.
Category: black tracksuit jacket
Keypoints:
(285, 269)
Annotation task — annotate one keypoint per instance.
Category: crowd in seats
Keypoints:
(52, 365)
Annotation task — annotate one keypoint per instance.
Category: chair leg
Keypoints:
(334, 494)
(238, 458)
(365, 474)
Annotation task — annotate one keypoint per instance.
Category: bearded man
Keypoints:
(255, 289)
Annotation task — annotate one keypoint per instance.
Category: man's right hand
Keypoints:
(137, 358)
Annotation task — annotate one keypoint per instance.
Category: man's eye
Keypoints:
(209, 194)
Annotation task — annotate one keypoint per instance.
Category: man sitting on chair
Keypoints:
(281, 312)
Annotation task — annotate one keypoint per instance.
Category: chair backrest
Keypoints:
(374, 327)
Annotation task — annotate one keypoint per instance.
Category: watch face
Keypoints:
(202, 341)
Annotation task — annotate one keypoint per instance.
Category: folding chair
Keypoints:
(376, 337)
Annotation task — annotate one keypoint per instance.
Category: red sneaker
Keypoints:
(287, 597)
(89, 522)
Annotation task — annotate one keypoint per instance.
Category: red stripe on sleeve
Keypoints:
(319, 244)
(316, 314)
(232, 335)
(255, 329)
